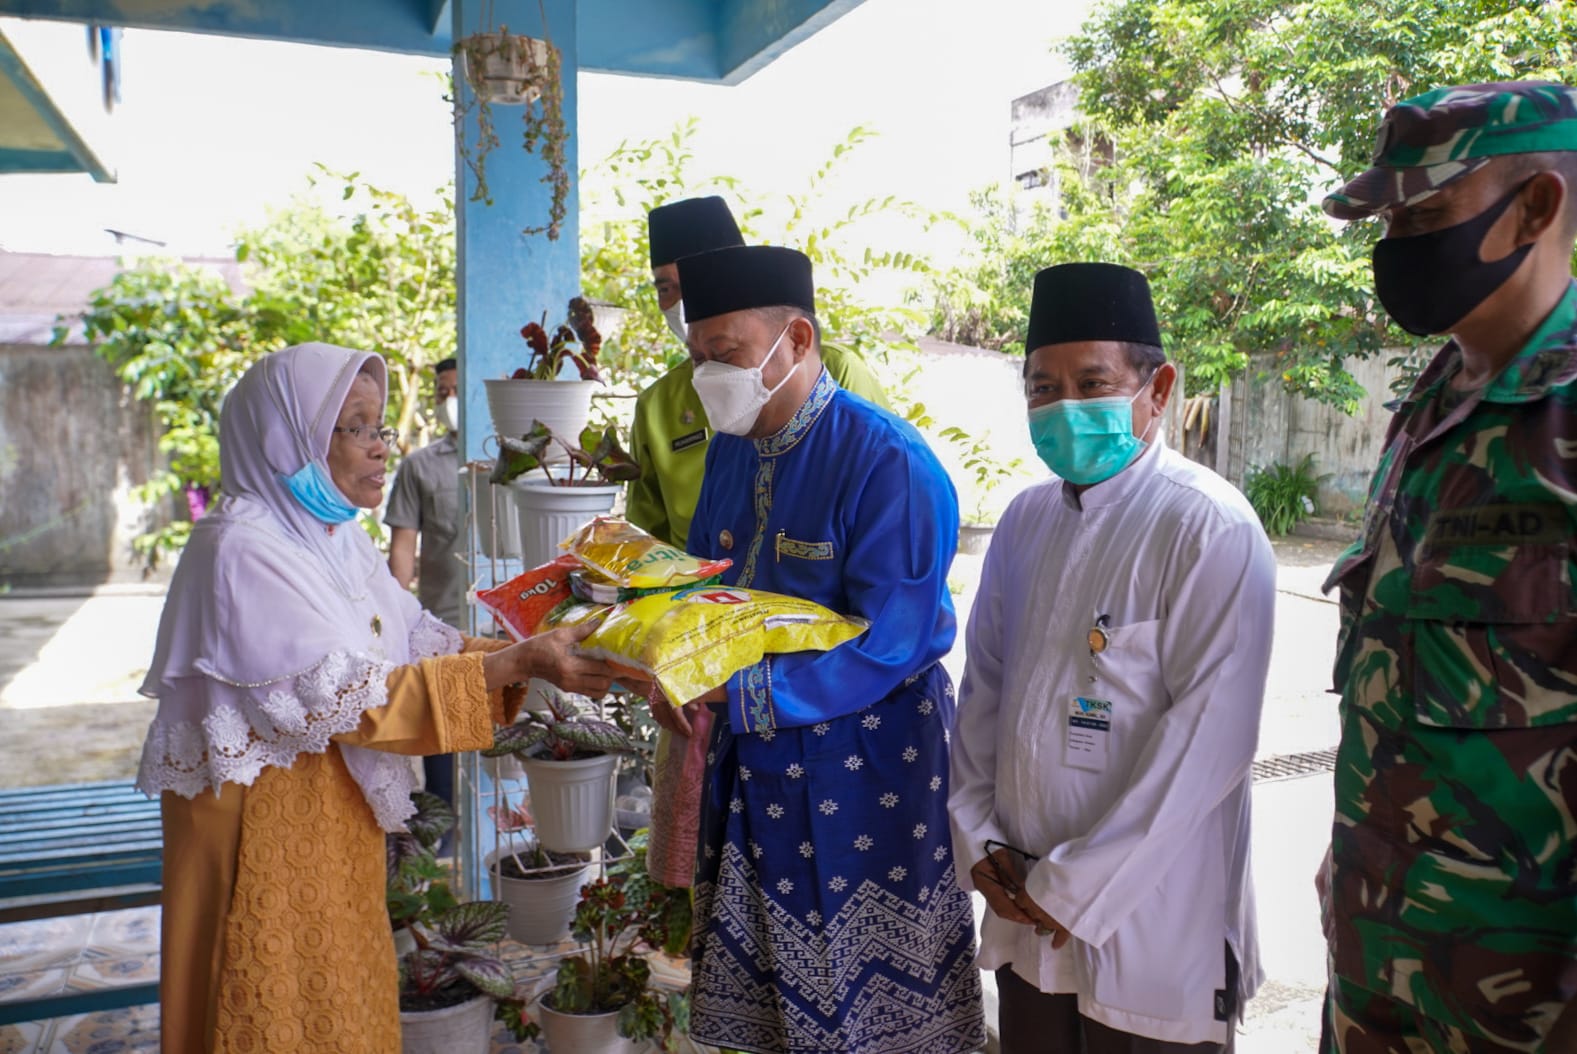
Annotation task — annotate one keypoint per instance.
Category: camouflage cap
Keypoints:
(1442, 135)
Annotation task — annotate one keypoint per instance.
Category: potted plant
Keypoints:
(556, 503)
(570, 760)
(413, 872)
(540, 887)
(452, 985)
(989, 472)
(506, 69)
(602, 1002)
(534, 392)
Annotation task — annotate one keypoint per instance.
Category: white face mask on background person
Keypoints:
(675, 319)
(449, 414)
(733, 396)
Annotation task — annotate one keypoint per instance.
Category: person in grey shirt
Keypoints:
(424, 503)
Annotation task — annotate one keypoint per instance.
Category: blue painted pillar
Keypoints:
(506, 278)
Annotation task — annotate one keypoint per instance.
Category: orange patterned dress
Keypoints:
(275, 937)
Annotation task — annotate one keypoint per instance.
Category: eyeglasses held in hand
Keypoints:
(366, 435)
(1003, 879)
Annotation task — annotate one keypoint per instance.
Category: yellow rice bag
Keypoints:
(695, 639)
(627, 556)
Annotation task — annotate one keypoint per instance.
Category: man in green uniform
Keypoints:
(670, 433)
(669, 439)
(1451, 885)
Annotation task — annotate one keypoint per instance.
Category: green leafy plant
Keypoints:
(1283, 495)
(453, 960)
(561, 733)
(665, 914)
(599, 455)
(989, 471)
(612, 976)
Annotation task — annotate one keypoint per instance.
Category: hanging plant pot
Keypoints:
(504, 68)
(463, 1029)
(572, 801)
(507, 69)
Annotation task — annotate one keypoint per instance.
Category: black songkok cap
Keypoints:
(1091, 301)
(694, 225)
(745, 277)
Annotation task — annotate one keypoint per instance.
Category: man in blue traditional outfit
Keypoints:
(828, 916)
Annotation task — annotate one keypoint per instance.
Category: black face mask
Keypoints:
(1430, 282)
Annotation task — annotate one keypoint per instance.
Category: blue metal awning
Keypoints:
(709, 40)
(47, 124)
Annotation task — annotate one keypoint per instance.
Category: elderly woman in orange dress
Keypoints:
(292, 671)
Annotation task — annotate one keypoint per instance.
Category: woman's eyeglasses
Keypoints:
(366, 435)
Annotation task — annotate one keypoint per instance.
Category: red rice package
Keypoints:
(523, 603)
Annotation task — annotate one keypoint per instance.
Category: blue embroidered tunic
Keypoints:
(828, 917)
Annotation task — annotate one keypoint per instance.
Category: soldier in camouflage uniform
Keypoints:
(1451, 887)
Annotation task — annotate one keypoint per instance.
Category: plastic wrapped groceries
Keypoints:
(523, 603)
(628, 557)
(691, 640)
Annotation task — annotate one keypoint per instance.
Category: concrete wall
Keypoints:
(1270, 426)
(72, 445)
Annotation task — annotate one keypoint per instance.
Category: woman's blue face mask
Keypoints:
(1087, 441)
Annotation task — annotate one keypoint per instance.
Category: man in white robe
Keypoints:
(1117, 655)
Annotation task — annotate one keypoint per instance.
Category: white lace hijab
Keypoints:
(277, 633)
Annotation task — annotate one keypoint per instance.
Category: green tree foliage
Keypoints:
(379, 274)
(381, 278)
(1211, 130)
(639, 175)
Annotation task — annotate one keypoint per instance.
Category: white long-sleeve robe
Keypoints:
(1145, 858)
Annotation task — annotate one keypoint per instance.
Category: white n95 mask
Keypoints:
(674, 316)
(733, 396)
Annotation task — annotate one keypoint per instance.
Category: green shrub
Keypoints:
(1283, 496)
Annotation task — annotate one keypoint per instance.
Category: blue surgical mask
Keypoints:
(314, 488)
(1087, 441)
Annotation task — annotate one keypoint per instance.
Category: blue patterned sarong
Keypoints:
(828, 916)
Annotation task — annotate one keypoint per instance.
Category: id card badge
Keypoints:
(1089, 729)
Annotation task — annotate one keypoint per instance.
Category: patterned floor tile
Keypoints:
(25, 1038)
(34, 984)
(41, 943)
(123, 934)
(113, 973)
(131, 1031)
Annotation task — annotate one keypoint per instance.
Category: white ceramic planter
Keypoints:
(463, 1029)
(540, 909)
(563, 406)
(497, 523)
(549, 514)
(583, 1033)
(572, 801)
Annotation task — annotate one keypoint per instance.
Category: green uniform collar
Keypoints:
(1548, 359)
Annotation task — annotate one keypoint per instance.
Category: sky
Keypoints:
(211, 131)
